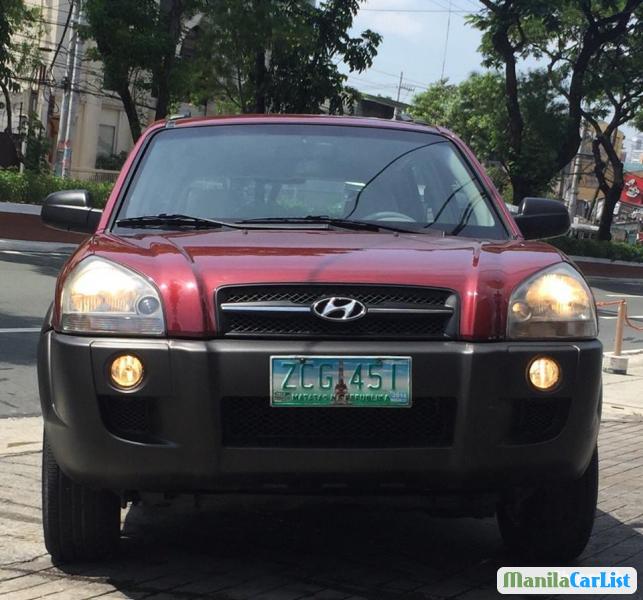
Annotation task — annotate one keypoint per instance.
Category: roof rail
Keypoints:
(172, 119)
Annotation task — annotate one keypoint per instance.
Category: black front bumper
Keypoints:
(179, 441)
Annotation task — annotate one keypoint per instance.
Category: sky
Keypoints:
(415, 42)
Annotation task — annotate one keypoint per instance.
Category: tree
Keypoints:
(137, 44)
(436, 105)
(14, 17)
(281, 55)
(570, 34)
(475, 110)
(615, 97)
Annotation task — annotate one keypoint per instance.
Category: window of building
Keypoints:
(106, 140)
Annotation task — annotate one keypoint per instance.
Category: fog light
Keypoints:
(126, 371)
(544, 373)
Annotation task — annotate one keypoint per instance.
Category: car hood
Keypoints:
(189, 267)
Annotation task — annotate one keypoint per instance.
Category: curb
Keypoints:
(23, 246)
(606, 261)
(19, 208)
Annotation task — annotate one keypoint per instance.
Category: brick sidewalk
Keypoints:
(306, 550)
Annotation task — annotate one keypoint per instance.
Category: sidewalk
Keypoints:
(623, 394)
(237, 549)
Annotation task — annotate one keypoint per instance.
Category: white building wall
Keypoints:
(93, 106)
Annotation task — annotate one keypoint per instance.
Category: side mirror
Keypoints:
(540, 218)
(70, 210)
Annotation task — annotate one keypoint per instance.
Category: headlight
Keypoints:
(555, 303)
(100, 296)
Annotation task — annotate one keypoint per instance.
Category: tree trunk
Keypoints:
(130, 110)
(173, 10)
(605, 226)
(259, 80)
(520, 189)
(7, 101)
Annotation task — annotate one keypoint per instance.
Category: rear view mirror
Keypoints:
(540, 218)
(70, 210)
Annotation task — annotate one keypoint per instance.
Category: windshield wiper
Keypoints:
(179, 221)
(173, 220)
(326, 220)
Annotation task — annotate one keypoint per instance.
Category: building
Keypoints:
(99, 127)
(99, 130)
(579, 184)
(378, 106)
(635, 154)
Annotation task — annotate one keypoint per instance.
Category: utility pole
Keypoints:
(70, 84)
(400, 87)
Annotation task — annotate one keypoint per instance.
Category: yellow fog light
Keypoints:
(126, 371)
(544, 373)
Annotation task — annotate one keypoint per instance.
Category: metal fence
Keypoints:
(97, 175)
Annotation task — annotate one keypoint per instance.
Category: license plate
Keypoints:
(360, 381)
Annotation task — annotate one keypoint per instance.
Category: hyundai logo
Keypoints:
(339, 309)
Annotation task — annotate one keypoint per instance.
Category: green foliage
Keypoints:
(438, 105)
(637, 121)
(19, 55)
(568, 37)
(614, 94)
(33, 188)
(38, 146)
(599, 249)
(280, 55)
(137, 44)
(476, 111)
(113, 162)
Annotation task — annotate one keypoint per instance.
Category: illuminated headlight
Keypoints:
(100, 296)
(554, 303)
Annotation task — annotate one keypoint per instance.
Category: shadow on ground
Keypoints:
(344, 550)
(42, 262)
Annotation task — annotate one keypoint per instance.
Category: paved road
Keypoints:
(27, 277)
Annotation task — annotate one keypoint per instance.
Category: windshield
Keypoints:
(235, 173)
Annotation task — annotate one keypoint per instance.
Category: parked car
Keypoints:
(317, 305)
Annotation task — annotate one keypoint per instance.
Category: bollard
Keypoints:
(620, 322)
(615, 362)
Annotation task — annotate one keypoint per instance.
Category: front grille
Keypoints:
(538, 419)
(127, 416)
(307, 294)
(273, 323)
(252, 422)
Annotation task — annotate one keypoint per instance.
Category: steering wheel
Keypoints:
(389, 216)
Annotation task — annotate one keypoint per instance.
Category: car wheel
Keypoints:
(79, 523)
(553, 523)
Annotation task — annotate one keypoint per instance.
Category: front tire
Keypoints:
(79, 523)
(551, 524)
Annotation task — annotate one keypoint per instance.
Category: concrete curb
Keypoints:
(19, 208)
(606, 261)
(26, 247)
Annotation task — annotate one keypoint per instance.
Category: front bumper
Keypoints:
(184, 447)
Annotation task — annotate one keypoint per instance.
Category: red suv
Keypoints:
(317, 305)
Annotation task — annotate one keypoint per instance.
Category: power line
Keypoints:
(414, 10)
(62, 37)
(446, 43)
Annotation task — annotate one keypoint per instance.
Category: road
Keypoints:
(27, 278)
